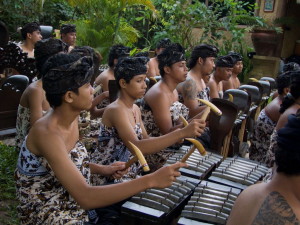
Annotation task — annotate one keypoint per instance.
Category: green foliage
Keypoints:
(10, 217)
(178, 20)
(59, 10)
(224, 23)
(17, 13)
(102, 23)
(144, 20)
(8, 160)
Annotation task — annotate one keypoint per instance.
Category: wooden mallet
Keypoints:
(196, 143)
(138, 157)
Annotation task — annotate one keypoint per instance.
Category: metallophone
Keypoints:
(238, 172)
(162, 206)
(207, 202)
(213, 200)
(199, 201)
(232, 174)
(210, 202)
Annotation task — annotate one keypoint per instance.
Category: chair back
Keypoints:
(253, 91)
(271, 81)
(266, 87)
(19, 82)
(220, 126)
(8, 108)
(240, 98)
(257, 84)
(113, 90)
(46, 31)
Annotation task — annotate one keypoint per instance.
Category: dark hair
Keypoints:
(287, 161)
(65, 72)
(294, 93)
(287, 154)
(225, 61)
(163, 43)
(235, 56)
(172, 54)
(291, 66)
(46, 48)
(88, 51)
(29, 28)
(293, 58)
(283, 81)
(129, 67)
(140, 54)
(67, 28)
(116, 52)
(202, 51)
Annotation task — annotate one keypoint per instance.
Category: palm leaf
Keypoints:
(147, 3)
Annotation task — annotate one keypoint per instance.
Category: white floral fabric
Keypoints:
(43, 199)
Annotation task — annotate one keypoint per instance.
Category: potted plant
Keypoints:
(267, 39)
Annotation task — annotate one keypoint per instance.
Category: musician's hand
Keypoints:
(195, 128)
(119, 173)
(116, 170)
(165, 176)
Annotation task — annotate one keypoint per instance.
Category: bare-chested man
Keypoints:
(201, 65)
(224, 66)
(267, 120)
(68, 35)
(290, 105)
(116, 52)
(162, 108)
(234, 82)
(53, 172)
(153, 63)
(31, 33)
(276, 202)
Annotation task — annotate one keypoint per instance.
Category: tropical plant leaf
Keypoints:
(147, 3)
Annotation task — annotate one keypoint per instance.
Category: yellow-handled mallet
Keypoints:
(138, 157)
(196, 143)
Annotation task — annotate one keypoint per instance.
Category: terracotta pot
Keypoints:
(267, 42)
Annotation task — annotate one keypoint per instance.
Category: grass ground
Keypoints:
(8, 202)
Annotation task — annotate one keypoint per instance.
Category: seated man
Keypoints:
(276, 202)
(224, 66)
(31, 33)
(290, 105)
(122, 122)
(267, 120)
(115, 53)
(162, 108)
(153, 63)
(53, 170)
(33, 103)
(234, 82)
(201, 65)
(89, 51)
(68, 35)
